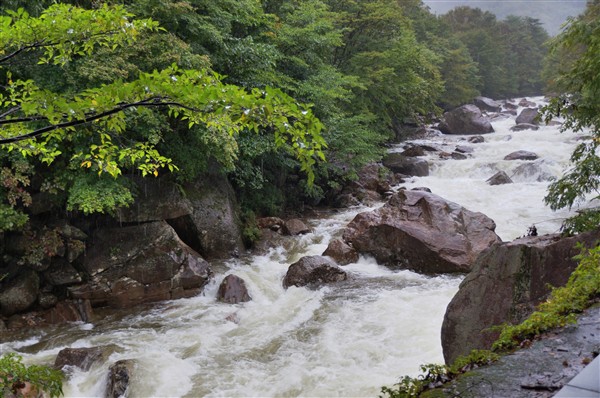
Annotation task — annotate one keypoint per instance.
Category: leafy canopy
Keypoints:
(37, 121)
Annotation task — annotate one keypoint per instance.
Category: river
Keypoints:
(347, 339)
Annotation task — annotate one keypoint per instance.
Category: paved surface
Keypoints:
(548, 367)
(585, 384)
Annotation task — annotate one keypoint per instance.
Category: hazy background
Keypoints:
(552, 13)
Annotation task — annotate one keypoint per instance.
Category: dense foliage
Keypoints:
(574, 77)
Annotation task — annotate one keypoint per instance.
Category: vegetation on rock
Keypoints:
(14, 374)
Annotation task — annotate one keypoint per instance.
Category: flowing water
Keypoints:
(347, 339)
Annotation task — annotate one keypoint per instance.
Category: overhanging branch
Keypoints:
(149, 102)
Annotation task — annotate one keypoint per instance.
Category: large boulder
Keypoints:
(313, 270)
(233, 290)
(507, 282)
(213, 229)
(499, 178)
(421, 231)
(528, 116)
(488, 104)
(141, 263)
(19, 293)
(409, 166)
(295, 227)
(466, 119)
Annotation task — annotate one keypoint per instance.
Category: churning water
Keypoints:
(347, 339)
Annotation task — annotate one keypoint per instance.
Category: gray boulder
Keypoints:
(295, 227)
(19, 293)
(233, 290)
(533, 172)
(409, 166)
(507, 282)
(477, 139)
(525, 126)
(313, 270)
(521, 155)
(499, 178)
(528, 116)
(466, 119)
(421, 231)
(488, 104)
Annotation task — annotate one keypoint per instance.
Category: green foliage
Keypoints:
(577, 85)
(11, 219)
(13, 375)
(564, 302)
(433, 375)
(98, 194)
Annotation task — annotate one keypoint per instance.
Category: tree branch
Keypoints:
(149, 102)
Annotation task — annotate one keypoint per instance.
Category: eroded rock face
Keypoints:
(507, 282)
(141, 263)
(313, 270)
(466, 119)
(421, 231)
(233, 290)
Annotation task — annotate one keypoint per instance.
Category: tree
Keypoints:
(14, 374)
(89, 128)
(578, 86)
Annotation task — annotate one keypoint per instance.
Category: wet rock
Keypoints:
(399, 163)
(19, 293)
(61, 273)
(507, 282)
(67, 311)
(458, 156)
(532, 172)
(233, 290)
(47, 300)
(521, 155)
(466, 119)
(528, 116)
(524, 126)
(341, 252)
(464, 149)
(119, 378)
(313, 270)
(295, 227)
(499, 178)
(83, 358)
(423, 232)
(477, 139)
(413, 151)
(509, 105)
(141, 263)
(423, 189)
(272, 223)
(487, 104)
(213, 229)
(75, 248)
(526, 103)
